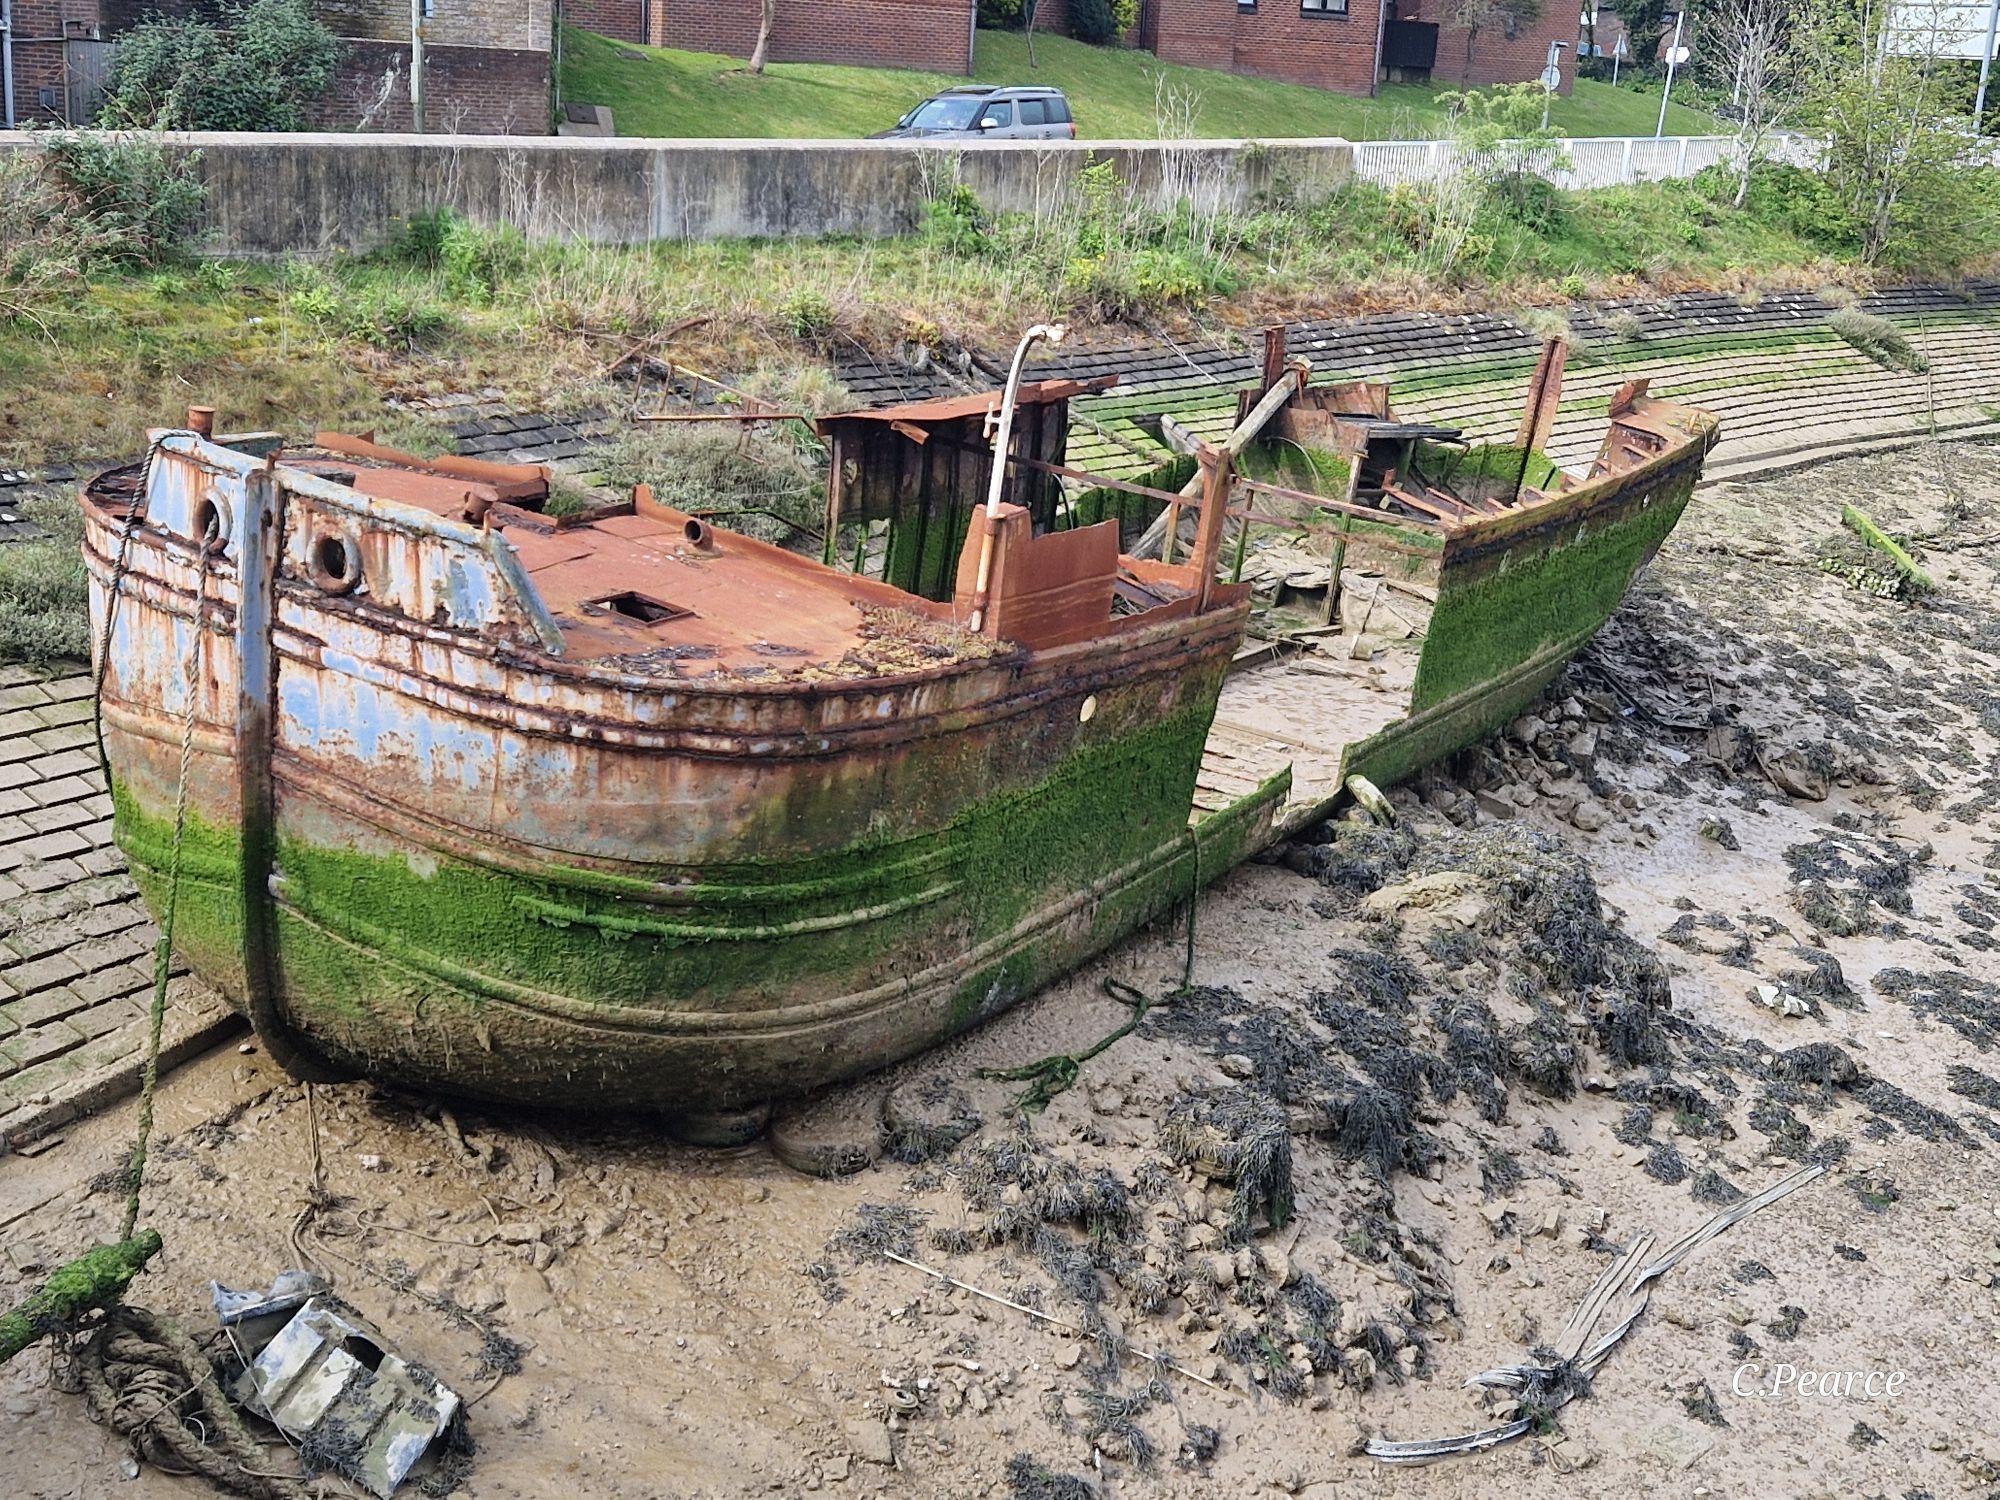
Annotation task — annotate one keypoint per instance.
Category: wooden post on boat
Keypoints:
(1274, 357)
(1159, 536)
(1215, 470)
(1539, 420)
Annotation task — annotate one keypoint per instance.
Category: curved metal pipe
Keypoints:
(1003, 439)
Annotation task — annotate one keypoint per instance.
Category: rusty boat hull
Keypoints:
(417, 845)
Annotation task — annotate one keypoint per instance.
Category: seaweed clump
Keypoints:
(1241, 1137)
(1028, 1478)
(1841, 877)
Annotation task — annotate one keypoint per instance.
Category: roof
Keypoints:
(956, 408)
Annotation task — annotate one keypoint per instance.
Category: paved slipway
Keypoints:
(1764, 787)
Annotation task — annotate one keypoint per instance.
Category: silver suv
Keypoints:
(988, 112)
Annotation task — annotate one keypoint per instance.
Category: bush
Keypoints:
(1790, 198)
(252, 73)
(808, 316)
(1092, 21)
(1879, 339)
(114, 201)
(955, 222)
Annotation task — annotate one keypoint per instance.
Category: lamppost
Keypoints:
(1676, 55)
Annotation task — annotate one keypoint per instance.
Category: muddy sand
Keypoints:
(1728, 902)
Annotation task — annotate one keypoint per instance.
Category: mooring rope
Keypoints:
(163, 954)
(146, 1380)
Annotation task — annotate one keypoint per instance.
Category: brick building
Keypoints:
(1350, 44)
(935, 35)
(486, 62)
(1329, 44)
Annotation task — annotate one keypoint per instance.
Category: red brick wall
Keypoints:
(1497, 57)
(930, 34)
(38, 51)
(1274, 40)
(623, 19)
(471, 90)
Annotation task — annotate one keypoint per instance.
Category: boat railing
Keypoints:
(429, 568)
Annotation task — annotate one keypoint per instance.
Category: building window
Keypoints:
(1323, 7)
(1246, 4)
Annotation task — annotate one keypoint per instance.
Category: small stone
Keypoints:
(1222, 1270)
(1075, 1406)
(527, 1293)
(834, 1470)
(373, 1163)
(870, 1440)
(1069, 1356)
(1590, 815)
(1277, 1265)
(1236, 1065)
(1494, 806)
(976, 1397)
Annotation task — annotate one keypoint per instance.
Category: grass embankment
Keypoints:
(295, 346)
(1115, 93)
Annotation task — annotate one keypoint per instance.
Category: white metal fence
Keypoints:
(1591, 162)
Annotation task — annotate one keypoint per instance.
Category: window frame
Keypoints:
(1325, 9)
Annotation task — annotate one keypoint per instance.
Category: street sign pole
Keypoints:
(1673, 59)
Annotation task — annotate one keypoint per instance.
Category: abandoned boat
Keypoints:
(623, 809)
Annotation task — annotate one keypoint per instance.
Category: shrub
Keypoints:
(121, 201)
(1092, 21)
(955, 222)
(1798, 200)
(1879, 339)
(808, 316)
(252, 73)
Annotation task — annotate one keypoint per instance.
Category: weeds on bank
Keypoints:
(44, 590)
(102, 341)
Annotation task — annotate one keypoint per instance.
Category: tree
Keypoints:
(1898, 156)
(254, 72)
(1475, 16)
(762, 50)
(1746, 48)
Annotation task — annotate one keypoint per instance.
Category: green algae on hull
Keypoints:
(448, 973)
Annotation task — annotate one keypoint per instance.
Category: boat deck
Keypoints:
(1302, 712)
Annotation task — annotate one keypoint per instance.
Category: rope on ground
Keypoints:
(149, 1382)
(1048, 1076)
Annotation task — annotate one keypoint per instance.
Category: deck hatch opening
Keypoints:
(641, 607)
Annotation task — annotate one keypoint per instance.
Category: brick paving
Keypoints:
(76, 944)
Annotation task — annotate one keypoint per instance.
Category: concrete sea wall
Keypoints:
(273, 195)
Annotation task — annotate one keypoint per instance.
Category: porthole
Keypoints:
(336, 567)
(211, 526)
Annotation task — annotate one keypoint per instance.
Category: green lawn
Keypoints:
(666, 93)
